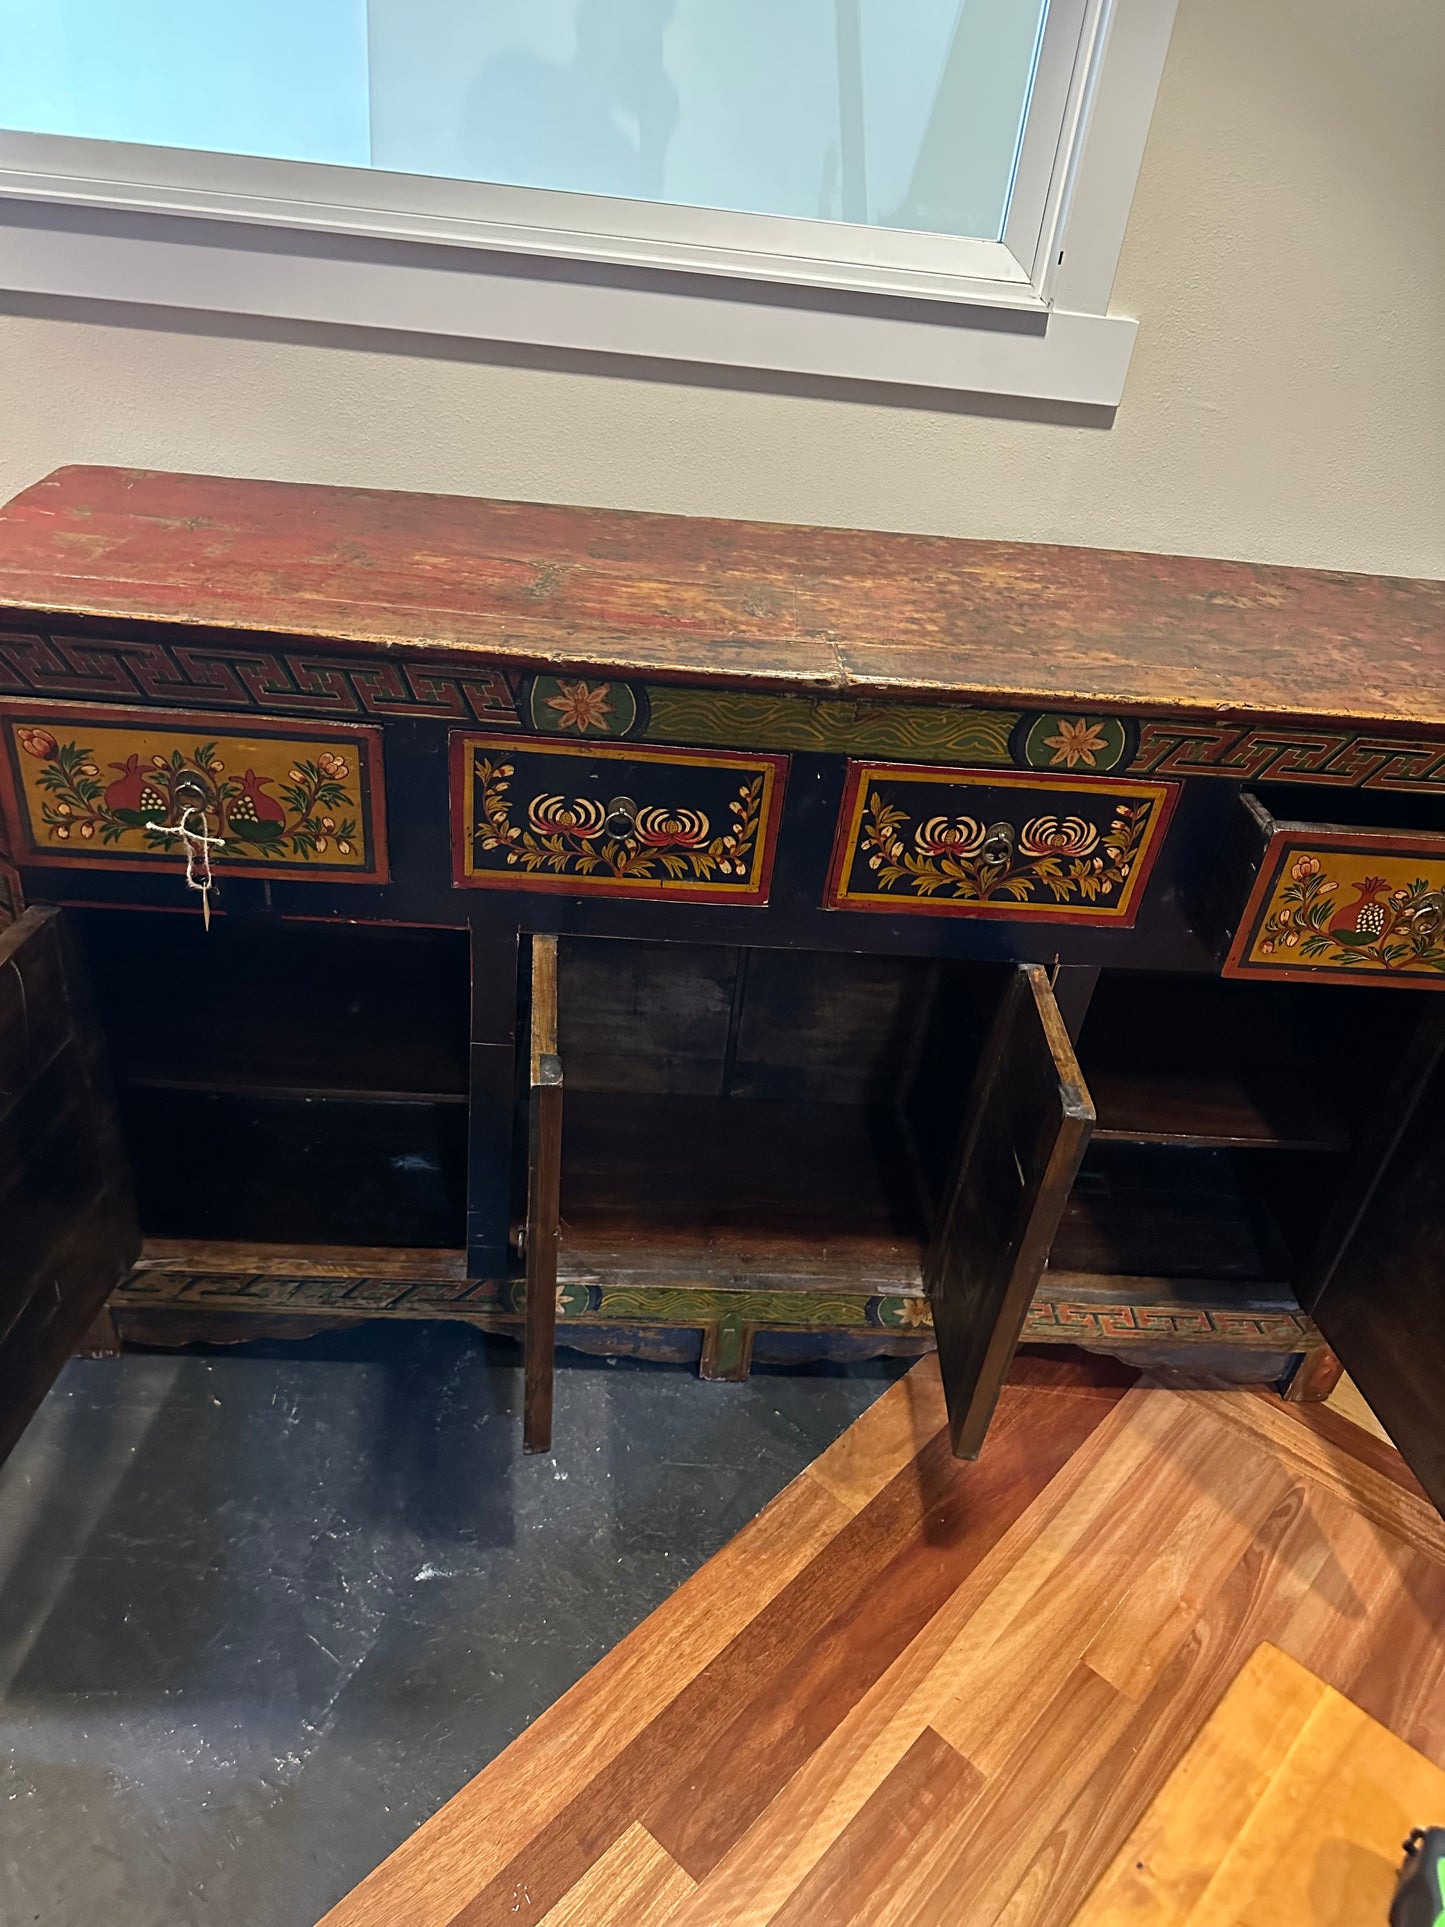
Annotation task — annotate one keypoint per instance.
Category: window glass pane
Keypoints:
(283, 78)
(893, 113)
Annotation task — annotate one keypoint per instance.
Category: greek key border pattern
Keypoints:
(1067, 1321)
(299, 682)
(1254, 753)
(240, 678)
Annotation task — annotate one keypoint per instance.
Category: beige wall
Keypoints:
(1286, 257)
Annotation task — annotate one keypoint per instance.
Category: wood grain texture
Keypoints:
(1346, 1399)
(883, 1442)
(931, 1784)
(1324, 1445)
(66, 1208)
(921, 1692)
(827, 609)
(1290, 1806)
(634, 1880)
(1026, 1129)
(434, 1264)
(1382, 1306)
(544, 1191)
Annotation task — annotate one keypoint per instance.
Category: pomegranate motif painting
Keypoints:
(1322, 914)
(120, 788)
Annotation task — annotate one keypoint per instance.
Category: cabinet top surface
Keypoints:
(837, 611)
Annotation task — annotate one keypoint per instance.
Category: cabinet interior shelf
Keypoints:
(1196, 1062)
(761, 1188)
(1215, 1110)
(295, 1010)
(299, 1089)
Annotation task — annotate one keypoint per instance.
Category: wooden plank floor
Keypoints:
(1292, 1805)
(914, 1691)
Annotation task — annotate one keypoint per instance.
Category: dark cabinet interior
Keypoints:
(739, 1113)
(1228, 1116)
(66, 1204)
(287, 1082)
(1362, 809)
(738, 1119)
(774, 1112)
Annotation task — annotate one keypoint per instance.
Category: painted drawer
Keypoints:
(623, 822)
(963, 843)
(1330, 903)
(84, 784)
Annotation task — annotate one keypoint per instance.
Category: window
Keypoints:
(884, 188)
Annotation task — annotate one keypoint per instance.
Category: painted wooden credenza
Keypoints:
(714, 940)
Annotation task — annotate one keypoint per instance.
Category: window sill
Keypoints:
(1005, 341)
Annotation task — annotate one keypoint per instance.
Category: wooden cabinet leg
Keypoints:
(101, 1339)
(1314, 1377)
(727, 1349)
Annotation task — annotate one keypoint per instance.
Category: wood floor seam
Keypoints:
(1348, 1470)
(824, 1796)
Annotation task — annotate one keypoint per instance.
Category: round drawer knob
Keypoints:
(621, 817)
(190, 796)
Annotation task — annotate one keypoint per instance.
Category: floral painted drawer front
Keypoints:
(1345, 908)
(996, 844)
(87, 785)
(595, 820)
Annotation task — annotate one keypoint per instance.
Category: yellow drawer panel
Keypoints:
(84, 784)
(1339, 905)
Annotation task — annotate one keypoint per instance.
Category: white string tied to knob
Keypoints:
(198, 847)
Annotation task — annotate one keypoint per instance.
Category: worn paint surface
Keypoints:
(493, 1305)
(835, 610)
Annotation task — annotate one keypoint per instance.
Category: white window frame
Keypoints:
(1025, 316)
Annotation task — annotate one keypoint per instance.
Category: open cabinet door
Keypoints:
(544, 1194)
(68, 1230)
(1381, 1299)
(1028, 1124)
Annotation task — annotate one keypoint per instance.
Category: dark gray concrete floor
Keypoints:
(263, 1610)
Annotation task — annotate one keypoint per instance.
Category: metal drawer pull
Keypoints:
(190, 799)
(1427, 919)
